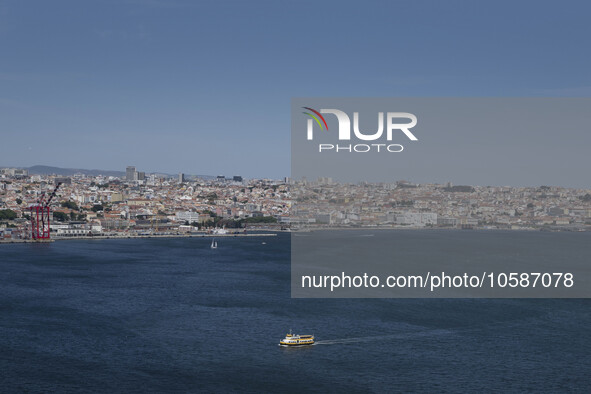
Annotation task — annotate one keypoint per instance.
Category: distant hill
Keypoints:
(47, 170)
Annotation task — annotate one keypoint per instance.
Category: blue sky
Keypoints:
(205, 87)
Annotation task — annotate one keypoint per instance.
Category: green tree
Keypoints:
(19, 201)
(259, 219)
(212, 197)
(7, 214)
(70, 205)
(60, 216)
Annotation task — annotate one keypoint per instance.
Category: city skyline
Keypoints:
(122, 174)
(137, 204)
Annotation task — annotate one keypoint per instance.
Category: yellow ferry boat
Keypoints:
(292, 340)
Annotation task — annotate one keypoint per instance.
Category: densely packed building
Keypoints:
(144, 204)
(139, 203)
(402, 204)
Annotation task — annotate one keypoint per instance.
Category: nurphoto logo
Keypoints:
(391, 125)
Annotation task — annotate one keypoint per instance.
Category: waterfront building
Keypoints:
(187, 216)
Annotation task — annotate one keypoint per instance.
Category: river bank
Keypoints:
(98, 237)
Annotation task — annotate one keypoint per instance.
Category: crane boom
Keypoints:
(52, 195)
(41, 198)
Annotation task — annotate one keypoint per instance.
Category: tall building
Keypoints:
(181, 177)
(62, 179)
(130, 173)
(140, 176)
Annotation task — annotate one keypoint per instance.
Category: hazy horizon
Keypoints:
(313, 180)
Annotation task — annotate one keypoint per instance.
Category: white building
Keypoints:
(187, 216)
(417, 219)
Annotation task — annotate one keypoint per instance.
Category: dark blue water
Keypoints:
(172, 315)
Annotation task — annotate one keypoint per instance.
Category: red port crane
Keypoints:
(40, 215)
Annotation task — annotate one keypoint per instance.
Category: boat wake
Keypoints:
(401, 336)
(353, 340)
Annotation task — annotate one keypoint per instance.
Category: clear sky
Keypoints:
(204, 87)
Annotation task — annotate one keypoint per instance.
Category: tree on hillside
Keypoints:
(7, 214)
(70, 205)
(60, 216)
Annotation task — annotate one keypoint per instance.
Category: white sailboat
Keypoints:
(214, 244)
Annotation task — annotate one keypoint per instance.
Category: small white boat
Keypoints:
(214, 244)
(293, 340)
